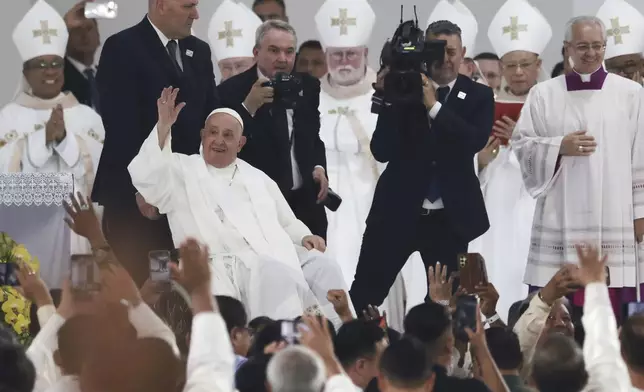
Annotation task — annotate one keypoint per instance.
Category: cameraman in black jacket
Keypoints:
(429, 198)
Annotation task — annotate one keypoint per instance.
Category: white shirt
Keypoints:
(165, 40)
(82, 68)
(438, 203)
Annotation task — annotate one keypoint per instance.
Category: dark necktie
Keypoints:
(434, 193)
(281, 126)
(173, 51)
(93, 90)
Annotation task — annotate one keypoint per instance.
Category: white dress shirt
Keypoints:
(438, 203)
(165, 40)
(82, 68)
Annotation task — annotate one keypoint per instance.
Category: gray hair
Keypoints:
(296, 369)
(273, 24)
(585, 19)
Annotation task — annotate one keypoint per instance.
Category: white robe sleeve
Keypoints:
(210, 360)
(68, 150)
(41, 354)
(602, 353)
(38, 152)
(536, 151)
(149, 325)
(294, 227)
(153, 171)
(638, 163)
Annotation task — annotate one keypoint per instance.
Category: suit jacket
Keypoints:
(266, 147)
(415, 152)
(77, 84)
(133, 70)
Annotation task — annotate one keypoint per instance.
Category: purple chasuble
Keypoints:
(574, 80)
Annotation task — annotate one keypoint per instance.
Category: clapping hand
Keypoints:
(168, 111)
(578, 144)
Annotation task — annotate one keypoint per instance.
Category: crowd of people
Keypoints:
(318, 228)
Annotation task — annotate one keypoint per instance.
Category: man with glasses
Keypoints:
(509, 206)
(626, 43)
(45, 130)
(581, 154)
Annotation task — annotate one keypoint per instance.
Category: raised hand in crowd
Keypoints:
(317, 337)
(340, 302)
(75, 17)
(440, 285)
(83, 220)
(193, 273)
(31, 285)
(592, 266)
(561, 284)
(489, 298)
(168, 111)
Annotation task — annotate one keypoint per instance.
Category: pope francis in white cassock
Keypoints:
(262, 254)
(346, 126)
(45, 130)
(231, 34)
(581, 153)
(510, 207)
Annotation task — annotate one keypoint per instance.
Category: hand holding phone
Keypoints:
(85, 276)
(465, 316)
(160, 265)
(95, 10)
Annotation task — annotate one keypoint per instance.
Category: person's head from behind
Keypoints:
(490, 66)
(45, 75)
(275, 48)
(75, 339)
(505, 349)
(521, 70)
(173, 17)
(234, 315)
(251, 375)
(359, 345)
(632, 342)
(406, 365)
(431, 324)
(585, 43)
(558, 365)
(296, 369)
(311, 59)
(347, 66)
(454, 50)
(270, 10)
(17, 373)
(222, 137)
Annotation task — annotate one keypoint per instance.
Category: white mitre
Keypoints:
(624, 28)
(345, 23)
(232, 31)
(42, 31)
(456, 12)
(518, 25)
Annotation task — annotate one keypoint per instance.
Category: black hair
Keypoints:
(17, 373)
(443, 27)
(632, 338)
(428, 322)
(232, 311)
(504, 347)
(357, 339)
(557, 69)
(311, 44)
(279, 2)
(487, 56)
(406, 364)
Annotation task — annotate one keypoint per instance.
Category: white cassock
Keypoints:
(252, 233)
(510, 209)
(346, 127)
(22, 124)
(592, 199)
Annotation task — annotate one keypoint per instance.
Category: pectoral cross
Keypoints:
(343, 21)
(617, 32)
(229, 33)
(514, 28)
(45, 32)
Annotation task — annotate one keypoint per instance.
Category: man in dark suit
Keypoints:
(136, 64)
(428, 198)
(80, 69)
(282, 142)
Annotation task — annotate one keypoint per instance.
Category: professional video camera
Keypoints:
(286, 89)
(408, 55)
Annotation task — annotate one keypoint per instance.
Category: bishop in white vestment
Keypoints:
(257, 243)
(45, 130)
(509, 206)
(231, 35)
(582, 156)
(346, 126)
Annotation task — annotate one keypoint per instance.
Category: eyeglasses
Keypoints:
(42, 65)
(349, 55)
(585, 48)
(522, 65)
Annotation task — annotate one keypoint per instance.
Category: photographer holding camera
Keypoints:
(431, 123)
(282, 123)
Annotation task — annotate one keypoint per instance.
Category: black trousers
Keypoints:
(384, 253)
(304, 206)
(132, 236)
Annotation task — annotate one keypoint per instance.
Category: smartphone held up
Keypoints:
(85, 275)
(95, 10)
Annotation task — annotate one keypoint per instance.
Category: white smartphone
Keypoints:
(95, 10)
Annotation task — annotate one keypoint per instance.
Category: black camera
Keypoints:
(287, 88)
(408, 55)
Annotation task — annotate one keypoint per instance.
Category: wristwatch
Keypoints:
(102, 254)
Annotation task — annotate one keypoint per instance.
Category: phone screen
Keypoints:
(95, 10)
(635, 308)
(159, 265)
(85, 276)
(465, 316)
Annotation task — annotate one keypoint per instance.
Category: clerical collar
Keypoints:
(227, 173)
(594, 81)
